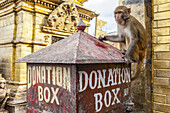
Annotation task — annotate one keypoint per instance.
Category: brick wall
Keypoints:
(161, 61)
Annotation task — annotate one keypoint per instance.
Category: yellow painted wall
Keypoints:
(6, 60)
(161, 64)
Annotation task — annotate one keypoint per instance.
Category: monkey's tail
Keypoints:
(137, 71)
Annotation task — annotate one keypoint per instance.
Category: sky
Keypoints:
(105, 8)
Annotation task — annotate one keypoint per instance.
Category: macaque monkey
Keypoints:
(132, 33)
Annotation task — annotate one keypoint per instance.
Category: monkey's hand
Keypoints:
(127, 59)
(101, 37)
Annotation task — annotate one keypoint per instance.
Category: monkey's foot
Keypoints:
(101, 37)
(127, 61)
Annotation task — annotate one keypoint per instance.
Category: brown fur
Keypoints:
(131, 32)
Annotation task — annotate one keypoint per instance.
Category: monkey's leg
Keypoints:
(139, 65)
(137, 71)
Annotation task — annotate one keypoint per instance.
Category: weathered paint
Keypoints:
(77, 75)
(91, 88)
(79, 48)
(51, 88)
(102, 87)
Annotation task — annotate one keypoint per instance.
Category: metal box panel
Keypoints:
(90, 88)
(51, 88)
(103, 87)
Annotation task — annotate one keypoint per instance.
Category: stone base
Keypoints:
(16, 108)
(3, 111)
(16, 105)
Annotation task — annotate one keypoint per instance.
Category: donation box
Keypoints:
(78, 74)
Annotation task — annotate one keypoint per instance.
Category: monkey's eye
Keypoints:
(118, 12)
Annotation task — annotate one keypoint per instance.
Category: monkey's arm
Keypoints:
(132, 34)
(112, 38)
(131, 47)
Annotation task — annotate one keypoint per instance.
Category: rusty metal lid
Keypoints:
(79, 48)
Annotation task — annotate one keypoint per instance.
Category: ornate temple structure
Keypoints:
(27, 26)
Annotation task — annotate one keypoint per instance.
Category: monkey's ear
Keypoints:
(129, 10)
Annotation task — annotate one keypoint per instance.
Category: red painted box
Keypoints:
(78, 74)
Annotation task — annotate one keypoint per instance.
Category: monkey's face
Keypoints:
(119, 17)
(121, 14)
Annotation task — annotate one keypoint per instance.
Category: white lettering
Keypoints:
(55, 95)
(123, 75)
(127, 74)
(67, 81)
(29, 77)
(47, 94)
(107, 99)
(95, 79)
(119, 77)
(43, 73)
(110, 78)
(59, 76)
(98, 103)
(81, 73)
(101, 78)
(91, 81)
(53, 76)
(40, 95)
(34, 75)
(48, 74)
(116, 72)
(39, 78)
(115, 96)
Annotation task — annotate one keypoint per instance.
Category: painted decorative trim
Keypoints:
(39, 2)
(6, 3)
(85, 16)
(55, 31)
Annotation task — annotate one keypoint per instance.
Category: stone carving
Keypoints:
(2, 88)
(3, 93)
(46, 37)
(64, 18)
(56, 39)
